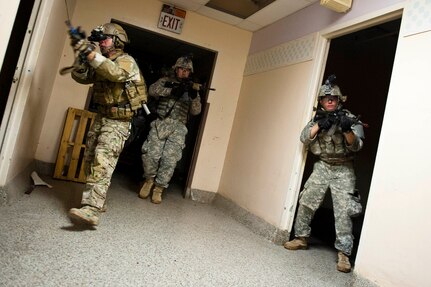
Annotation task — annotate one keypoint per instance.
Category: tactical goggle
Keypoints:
(97, 35)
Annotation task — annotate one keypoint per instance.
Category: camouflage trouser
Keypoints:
(341, 181)
(163, 149)
(105, 141)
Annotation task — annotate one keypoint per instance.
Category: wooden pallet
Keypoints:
(70, 158)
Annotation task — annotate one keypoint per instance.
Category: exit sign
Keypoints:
(172, 19)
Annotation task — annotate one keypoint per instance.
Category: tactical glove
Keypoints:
(325, 123)
(84, 47)
(346, 123)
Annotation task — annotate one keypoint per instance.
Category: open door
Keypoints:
(362, 62)
(155, 54)
(12, 64)
(10, 77)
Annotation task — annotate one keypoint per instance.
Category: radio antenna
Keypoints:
(67, 11)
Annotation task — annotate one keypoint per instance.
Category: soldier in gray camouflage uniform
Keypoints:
(334, 135)
(119, 90)
(178, 97)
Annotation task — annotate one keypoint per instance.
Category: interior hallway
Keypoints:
(177, 243)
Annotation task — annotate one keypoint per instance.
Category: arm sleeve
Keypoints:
(158, 88)
(305, 134)
(123, 69)
(83, 75)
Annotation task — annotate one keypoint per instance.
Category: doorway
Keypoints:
(362, 62)
(156, 54)
(13, 52)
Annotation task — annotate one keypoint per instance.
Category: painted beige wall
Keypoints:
(394, 249)
(35, 86)
(264, 138)
(231, 59)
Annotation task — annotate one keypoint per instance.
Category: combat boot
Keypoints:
(343, 264)
(146, 188)
(86, 215)
(297, 243)
(157, 194)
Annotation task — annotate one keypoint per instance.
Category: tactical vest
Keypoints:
(178, 109)
(120, 100)
(331, 148)
(136, 92)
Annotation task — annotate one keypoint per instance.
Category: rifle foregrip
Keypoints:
(170, 85)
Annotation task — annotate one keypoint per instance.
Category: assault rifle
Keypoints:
(188, 85)
(335, 117)
(76, 35)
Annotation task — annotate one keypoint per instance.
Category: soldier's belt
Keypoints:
(336, 158)
(115, 112)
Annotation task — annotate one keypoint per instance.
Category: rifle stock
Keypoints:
(75, 35)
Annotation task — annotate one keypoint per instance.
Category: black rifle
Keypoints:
(76, 35)
(188, 85)
(335, 117)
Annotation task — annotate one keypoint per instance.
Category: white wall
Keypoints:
(34, 90)
(8, 11)
(312, 19)
(264, 138)
(394, 247)
(227, 78)
(262, 170)
(40, 91)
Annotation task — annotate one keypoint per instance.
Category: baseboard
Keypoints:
(17, 187)
(251, 221)
(359, 281)
(3, 196)
(202, 196)
(44, 168)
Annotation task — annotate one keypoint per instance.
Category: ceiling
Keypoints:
(234, 12)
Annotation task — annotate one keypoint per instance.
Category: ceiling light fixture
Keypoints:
(238, 8)
(340, 6)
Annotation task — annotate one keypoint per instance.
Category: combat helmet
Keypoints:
(115, 31)
(329, 88)
(184, 62)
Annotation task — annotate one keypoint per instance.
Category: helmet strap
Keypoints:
(107, 52)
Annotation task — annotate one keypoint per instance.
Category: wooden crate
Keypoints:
(70, 158)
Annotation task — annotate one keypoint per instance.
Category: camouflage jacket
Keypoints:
(169, 106)
(332, 148)
(117, 82)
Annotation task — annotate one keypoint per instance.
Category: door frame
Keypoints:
(321, 54)
(200, 127)
(19, 91)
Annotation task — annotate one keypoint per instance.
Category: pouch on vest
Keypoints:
(136, 93)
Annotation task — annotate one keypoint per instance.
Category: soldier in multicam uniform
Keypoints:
(334, 139)
(163, 148)
(119, 90)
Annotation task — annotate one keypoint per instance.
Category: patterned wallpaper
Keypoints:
(416, 17)
(293, 52)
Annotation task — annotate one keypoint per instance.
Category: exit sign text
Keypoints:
(172, 19)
